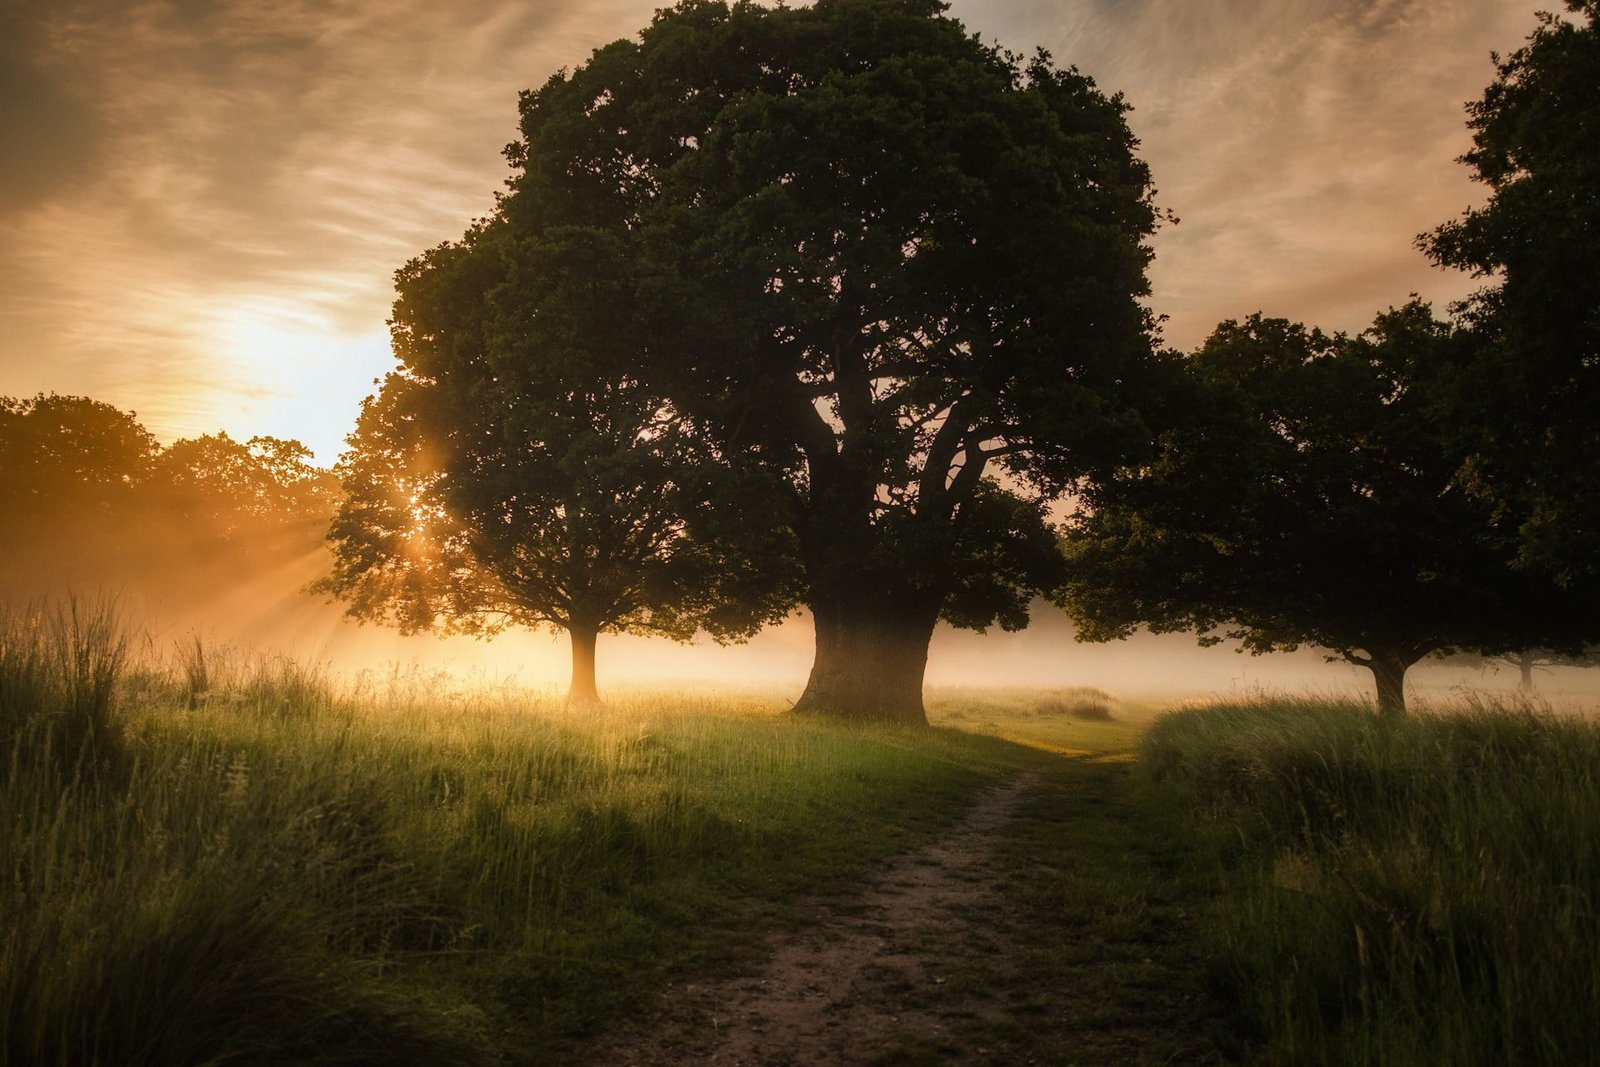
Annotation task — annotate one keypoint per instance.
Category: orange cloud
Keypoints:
(204, 202)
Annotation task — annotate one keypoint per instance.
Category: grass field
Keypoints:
(284, 872)
(213, 857)
(1416, 891)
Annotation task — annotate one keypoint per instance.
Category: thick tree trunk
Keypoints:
(1525, 665)
(870, 658)
(582, 692)
(1389, 669)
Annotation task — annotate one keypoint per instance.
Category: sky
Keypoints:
(203, 202)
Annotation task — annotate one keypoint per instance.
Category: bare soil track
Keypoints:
(931, 961)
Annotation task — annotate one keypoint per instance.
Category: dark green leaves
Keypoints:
(1307, 496)
(1524, 397)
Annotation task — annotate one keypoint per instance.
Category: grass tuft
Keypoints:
(59, 668)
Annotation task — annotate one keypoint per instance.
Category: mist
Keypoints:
(170, 601)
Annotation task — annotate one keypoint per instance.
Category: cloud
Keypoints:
(239, 155)
(1304, 144)
(49, 133)
(204, 200)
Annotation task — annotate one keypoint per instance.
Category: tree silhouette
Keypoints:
(1305, 497)
(1526, 661)
(512, 474)
(861, 256)
(70, 454)
(73, 472)
(90, 498)
(1524, 398)
(236, 491)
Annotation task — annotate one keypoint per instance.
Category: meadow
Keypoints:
(1405, 891)
(217, 857)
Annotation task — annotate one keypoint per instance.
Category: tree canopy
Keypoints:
(91, 498)
(880, 271)
(70, 453)
(1308, 498)
(1524, 397)
(516, 471)
(243, 490)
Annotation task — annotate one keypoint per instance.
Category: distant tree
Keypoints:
(73, 474)
(1307, 499)
(239, 490)
(511, 474)
(70, 452)
(1526, 661)
(1524, 398)
(91, 499)
(872, 260)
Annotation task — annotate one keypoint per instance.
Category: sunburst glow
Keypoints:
(274, 345)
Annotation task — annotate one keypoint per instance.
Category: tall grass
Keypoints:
(59, 667)
(208, 674)
(279, 871)
(1413, 890)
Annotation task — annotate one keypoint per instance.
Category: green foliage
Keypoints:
(535, 504)
(897, 262)
(1305, 495)
(515, 471)
(1523, 399)
(1402, 891)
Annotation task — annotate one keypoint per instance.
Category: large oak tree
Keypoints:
(869, 260)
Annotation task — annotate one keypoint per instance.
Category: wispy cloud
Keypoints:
(1303, 143)
(204, 200)
(238, 156)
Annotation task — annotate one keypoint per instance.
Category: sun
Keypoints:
(289, 371)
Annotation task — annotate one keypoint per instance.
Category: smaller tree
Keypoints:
(1303, 497)
(1525, 661)
(509, 474)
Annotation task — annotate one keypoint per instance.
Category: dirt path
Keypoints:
(883, 975)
